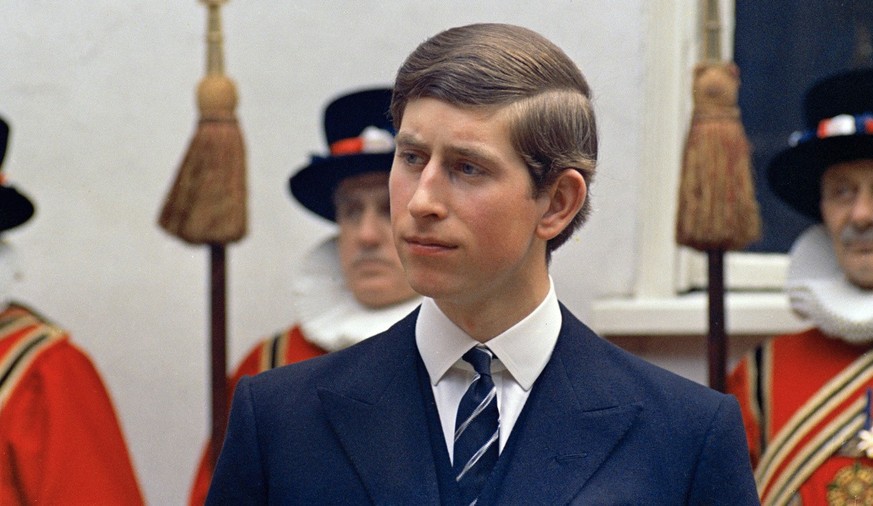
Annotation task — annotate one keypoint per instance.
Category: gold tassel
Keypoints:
(717, 205)
(207, 202)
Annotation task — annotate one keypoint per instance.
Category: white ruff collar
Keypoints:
(818, 290)
(326, 310)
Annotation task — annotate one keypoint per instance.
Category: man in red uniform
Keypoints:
(806, 397)
(351, 286)
(60, 441)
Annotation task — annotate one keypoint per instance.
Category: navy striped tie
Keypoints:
(476, 428)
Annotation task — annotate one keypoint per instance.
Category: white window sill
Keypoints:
(747, 313)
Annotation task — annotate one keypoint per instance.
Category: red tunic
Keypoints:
(60, 441)
(802, 396)
(285, 348)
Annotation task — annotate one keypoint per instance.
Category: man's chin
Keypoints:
(865, 283)
(377, 293)
(859, 271)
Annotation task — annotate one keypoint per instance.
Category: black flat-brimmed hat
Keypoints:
(839, 128)
(360, 138)
(15, 208)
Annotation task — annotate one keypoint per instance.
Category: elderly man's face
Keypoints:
(847, 210)
(367, 255)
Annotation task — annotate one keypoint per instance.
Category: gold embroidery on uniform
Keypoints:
(817, 408)
(851, 486)
(814, 453)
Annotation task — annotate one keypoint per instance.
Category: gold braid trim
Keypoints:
(15, 362)
(274, 350)
(813, 454)
(807, 419)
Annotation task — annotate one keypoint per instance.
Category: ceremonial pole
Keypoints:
(207, 202)
(717, 209)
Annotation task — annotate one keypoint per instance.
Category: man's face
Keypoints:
(465, 221)
(367, 255)
(847, 211)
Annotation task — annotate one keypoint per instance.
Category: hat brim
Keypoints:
(314, 185)
(15, 208)
(794, 175)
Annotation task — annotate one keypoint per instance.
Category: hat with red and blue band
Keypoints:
(839, 128)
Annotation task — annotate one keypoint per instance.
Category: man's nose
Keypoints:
(428, 198)
(373, 228)
(862, 209)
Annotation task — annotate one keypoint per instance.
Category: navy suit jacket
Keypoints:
(601, 426)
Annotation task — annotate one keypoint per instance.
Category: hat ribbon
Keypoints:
(839, 126)
(371, 140)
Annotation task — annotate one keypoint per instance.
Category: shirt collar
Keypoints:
(524, 349)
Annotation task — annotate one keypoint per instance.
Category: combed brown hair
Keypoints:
(552, 123)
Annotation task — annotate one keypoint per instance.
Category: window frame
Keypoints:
(663, 300)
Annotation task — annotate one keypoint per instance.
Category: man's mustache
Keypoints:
(368, 257)
(852, 234)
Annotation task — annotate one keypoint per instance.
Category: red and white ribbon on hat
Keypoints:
(839, 126)
(372, 140)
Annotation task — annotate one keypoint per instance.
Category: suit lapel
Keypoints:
(380, 420)
(568, 427)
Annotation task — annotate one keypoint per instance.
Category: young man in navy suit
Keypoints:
(491, 392)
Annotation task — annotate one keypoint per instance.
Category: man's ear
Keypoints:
(566, 197)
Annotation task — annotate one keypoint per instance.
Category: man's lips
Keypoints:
(420, 244)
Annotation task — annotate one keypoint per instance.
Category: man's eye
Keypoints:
(840, 193)
(468, 169)
(410, 158)
(347, 213)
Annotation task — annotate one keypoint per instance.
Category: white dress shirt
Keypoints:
(521, 354)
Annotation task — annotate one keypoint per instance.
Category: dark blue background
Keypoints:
(782, 47)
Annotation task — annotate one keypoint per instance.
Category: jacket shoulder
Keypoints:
(356, 371)
(621, 373)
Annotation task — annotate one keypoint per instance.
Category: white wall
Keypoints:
(100, 96)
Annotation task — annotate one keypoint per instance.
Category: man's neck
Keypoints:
(489, 316)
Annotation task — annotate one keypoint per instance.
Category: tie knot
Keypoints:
(480, 359)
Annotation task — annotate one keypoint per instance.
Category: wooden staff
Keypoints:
(717, 206)
(207, 202)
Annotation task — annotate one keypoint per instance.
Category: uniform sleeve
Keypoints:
(248, 367)
(61, 438)
(724, 472)
(238, 478)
